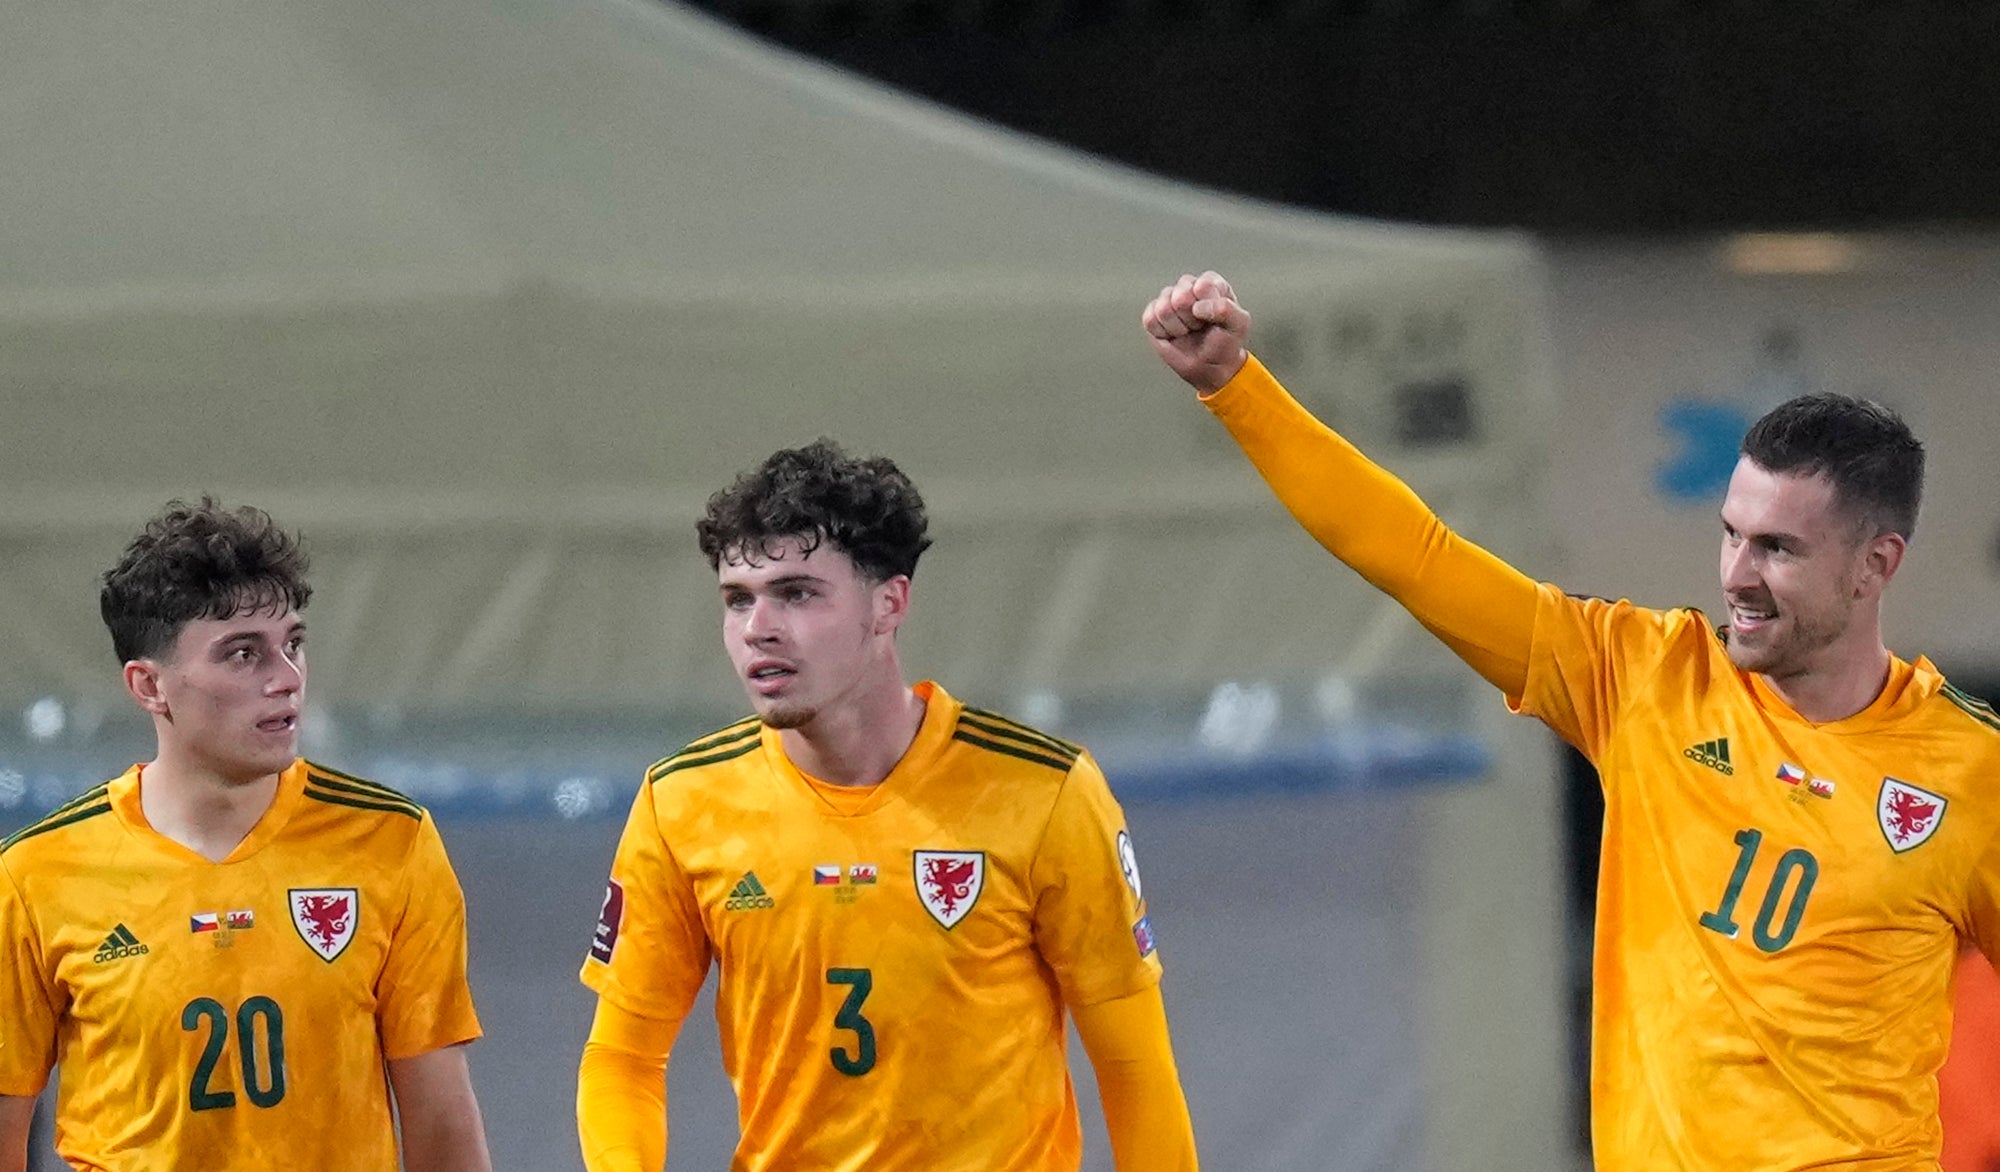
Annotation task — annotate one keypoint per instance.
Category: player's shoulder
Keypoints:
(709, 753)
(357, 797)
(1975, 719)
(59, 829)
(1013, 742)
(1671, 618)
(1643, 632)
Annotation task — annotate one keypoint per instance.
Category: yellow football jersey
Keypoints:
(1780, 902)
(234, 1014)
(895, 960)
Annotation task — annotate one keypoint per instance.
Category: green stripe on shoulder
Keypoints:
(94, 794)
(328, 774)
(372, 797)
(729, 741)
(693, 763)
(1013, 749)
(995, 724)
(1974, 707)
(68, 814)
(333, 798)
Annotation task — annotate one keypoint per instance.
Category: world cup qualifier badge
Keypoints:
(609, 919)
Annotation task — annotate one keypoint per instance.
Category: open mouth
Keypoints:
(767, 676)
(289, 722)
(1747, 619)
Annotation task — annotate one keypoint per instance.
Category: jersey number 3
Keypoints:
(263, 1074)
(860, 983)
(1767, 932)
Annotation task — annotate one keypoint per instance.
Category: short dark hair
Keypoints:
(199, 561)
(1869, 454)
(866, 508)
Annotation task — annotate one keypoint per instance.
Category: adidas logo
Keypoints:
(747, 895)
(119, 945)
(1714, 754)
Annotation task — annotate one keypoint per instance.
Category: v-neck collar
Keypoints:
(850, 801)
(127, 807)
(1909, 685)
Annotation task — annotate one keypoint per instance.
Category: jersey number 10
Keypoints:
(1799, 860)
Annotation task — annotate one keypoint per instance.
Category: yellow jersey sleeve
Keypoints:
(651, 952)
(426, 1001)
(1145, 1112)
(28, 1005)
(1479, 606)
(621, 1091)
(1982, 904)
(1591, 659)
(1090, 913)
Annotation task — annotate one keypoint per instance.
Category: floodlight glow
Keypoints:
(45, 719)
(1239, 718)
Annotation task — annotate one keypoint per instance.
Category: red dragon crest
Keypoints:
(1908, 815)
(949, 883)
(325, 919)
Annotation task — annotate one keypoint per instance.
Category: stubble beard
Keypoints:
(1792, 651)
(784, 716)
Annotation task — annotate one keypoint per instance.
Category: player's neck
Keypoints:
(1845, 680)
(195, 805)
(858, 743)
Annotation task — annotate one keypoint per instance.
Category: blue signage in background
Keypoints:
(1705, 434)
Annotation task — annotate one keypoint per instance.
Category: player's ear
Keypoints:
(892, 603)
(1880, 560)
(142, 679)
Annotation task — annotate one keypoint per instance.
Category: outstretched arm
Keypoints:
(1144, 1110)
(621, 1091)
(1481, 607)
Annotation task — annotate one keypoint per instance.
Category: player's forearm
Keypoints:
(17, 1113)
(456, 1144)
(1145, 1112)
(1481, 607)
(621, 1110)
(437, 1113)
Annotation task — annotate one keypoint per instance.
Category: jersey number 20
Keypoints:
(263, 1075)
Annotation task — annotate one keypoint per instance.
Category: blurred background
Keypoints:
(486, 296)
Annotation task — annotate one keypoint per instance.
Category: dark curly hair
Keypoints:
(198, 561)
(866, 508)
(1867, 452)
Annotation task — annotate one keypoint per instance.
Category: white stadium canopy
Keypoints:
(486, 295)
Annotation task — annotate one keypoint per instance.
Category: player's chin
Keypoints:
(253, 767)
(1755, 656)
(783, 716)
